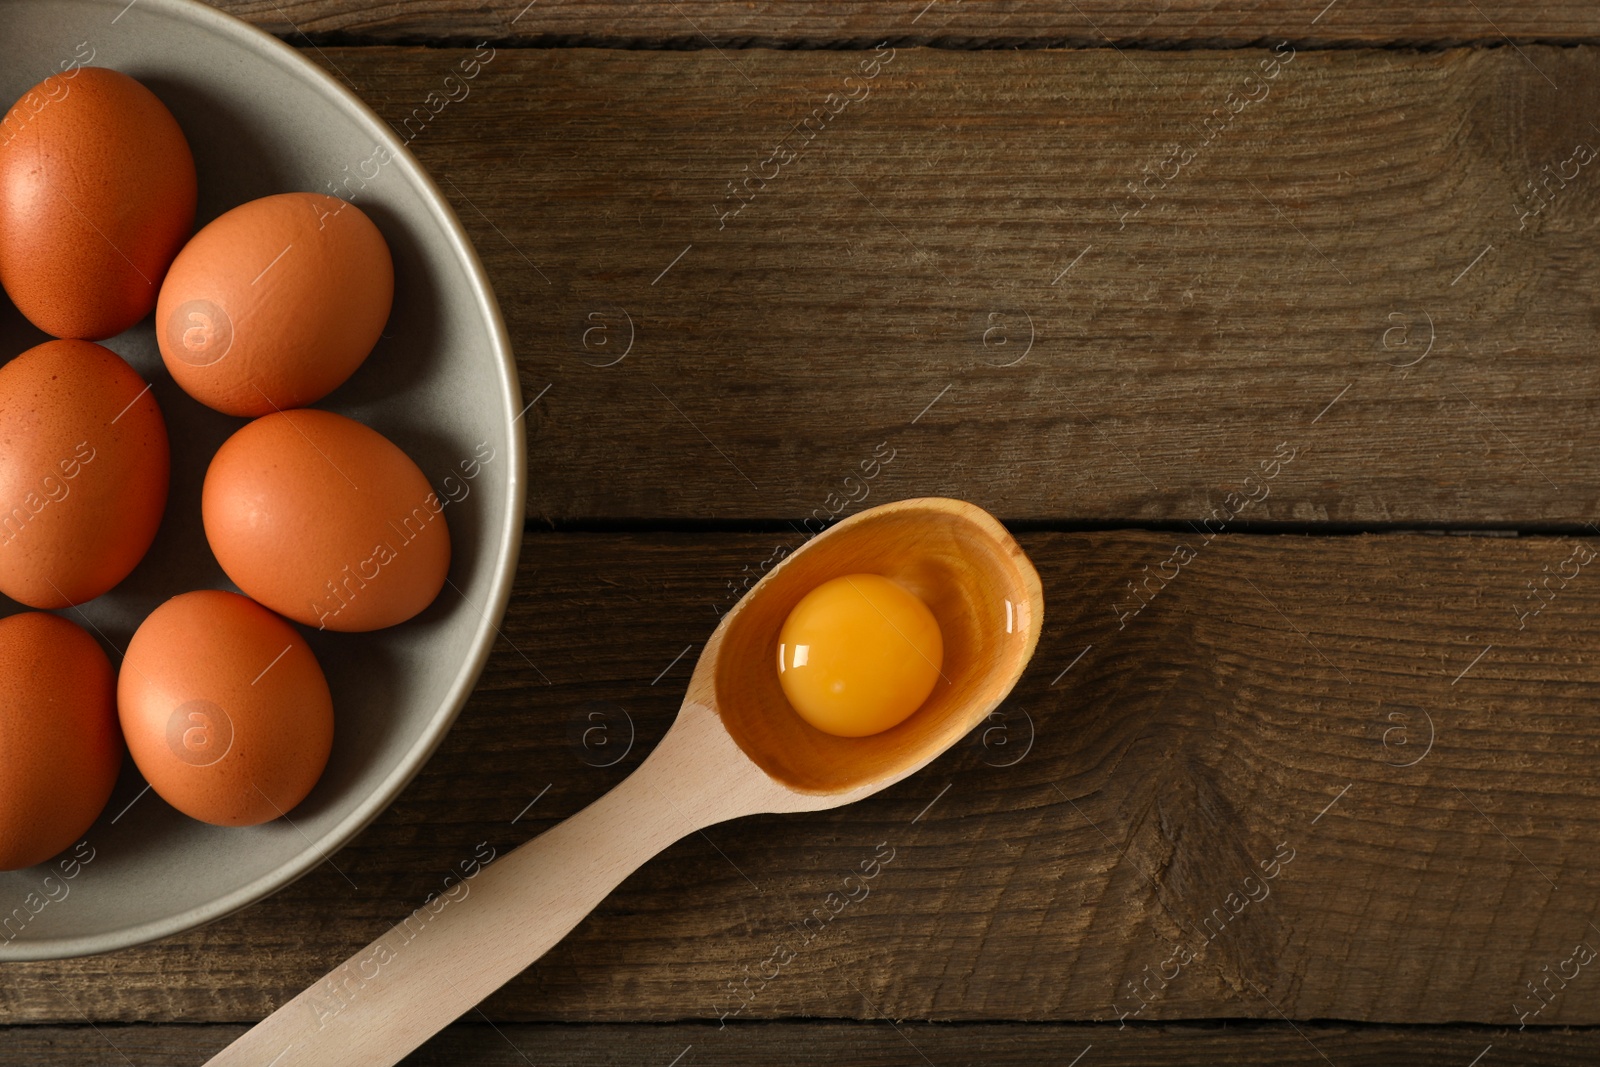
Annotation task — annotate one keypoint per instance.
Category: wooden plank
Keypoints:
(954, 271)
(1261, 708)
(1006, 24)
(861, 1044)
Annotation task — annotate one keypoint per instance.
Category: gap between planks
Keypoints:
(696, 43)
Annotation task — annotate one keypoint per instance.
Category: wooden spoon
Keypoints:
(737, 748)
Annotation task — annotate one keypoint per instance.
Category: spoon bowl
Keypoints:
(960, 562)
(737, 748)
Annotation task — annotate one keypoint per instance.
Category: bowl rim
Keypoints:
(504, 558)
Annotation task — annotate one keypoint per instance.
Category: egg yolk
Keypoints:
(858, 655)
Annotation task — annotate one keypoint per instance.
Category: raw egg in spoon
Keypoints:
(859, 654)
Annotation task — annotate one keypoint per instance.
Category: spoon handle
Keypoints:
(416, 979)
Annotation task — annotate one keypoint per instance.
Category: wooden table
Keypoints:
(1271, 329)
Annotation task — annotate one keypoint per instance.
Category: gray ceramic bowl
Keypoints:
(441, 384)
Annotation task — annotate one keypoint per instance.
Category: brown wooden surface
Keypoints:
(815, 1043)
(1008, 23)
(1295, 262)
(1168, 762)
(875, 299)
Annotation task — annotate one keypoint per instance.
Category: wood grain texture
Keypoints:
(817, 1043)
(857, 23)
(954, 270)
(1262, 702)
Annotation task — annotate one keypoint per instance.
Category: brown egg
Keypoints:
(97, 194)
(58, 733)
(225, 709)
(326, 521)
(83, 473)
(274, 304)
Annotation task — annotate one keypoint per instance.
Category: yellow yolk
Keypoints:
(858, 655)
